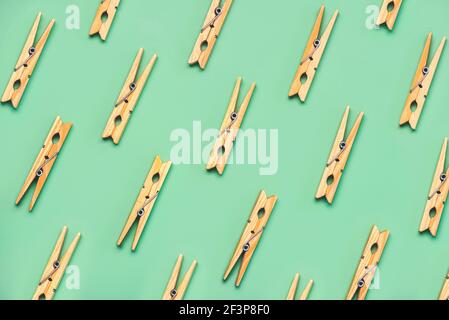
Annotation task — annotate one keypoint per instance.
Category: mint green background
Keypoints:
(94, 183)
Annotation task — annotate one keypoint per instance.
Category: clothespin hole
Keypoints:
(413, 106)
(204, 45)
(303, 78)
(425, 71)
(117, 120)
(173, 293)
(31, 51)
(261, 213)
(141, 212)
(316, 43)
(390, 6)
(217, 11)
(233, 116)
(374, 248)
(55, 138)
(132, 86)
(221, 151)
(56, 264)
(432, 213)
(155, 178)
(16, 84)
(443, 178)
(42, 297)
(330, 180)
(246, 247)
(361, 283)
(104, 17)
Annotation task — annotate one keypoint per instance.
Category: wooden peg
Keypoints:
(437, 196)
(129, 95)
(251, 235)
(103, 18)
(45, 160)
(229, 129)
(55, 268)
(421, 84)
(173, 291)
(26, 63)
(337, 159)
(145, 200)
(368, 264)
(388, 13)
(444, 294)
(311, 57)
(294, 286)
(209, 32)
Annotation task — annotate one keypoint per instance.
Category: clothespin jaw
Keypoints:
(45, 160)
(421, 84)
(145, 200)
(388, 13)
(437, 195)
(251, 234)
(311, 57)
(294, 286)
(127, 99)
(337, 159)
(230, 126)
(209, 32)
(103, 18)
(444, 294)
(55, 268)
(174, 292)
(368, 264)
(26, 63)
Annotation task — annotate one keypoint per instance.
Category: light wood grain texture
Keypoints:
(338, 157)
(229, 129)
(437, 195)
(421, 84)
(26, 63)
(45, 160)
(106, 9)
(127, 100)
(174, 292)
(145, 200)
(388, 16)
(55, 268)
(294, 286)
(209, 32)
(368, 264)
(444, 294)
(311, 57)
(251, 235)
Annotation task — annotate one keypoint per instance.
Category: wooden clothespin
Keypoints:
(388, 13)
(174, 291)
(421, 84)
(293, 288)
(209, 32)
(127, 99)
(337, 159)
(251, 234)
(54, 271)
(45, 160)
(229, 129)
(26, 63)
(444, 294)
(145, 200)
(311, 57)
(103, 18)
(437, 196)
(368, 264)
